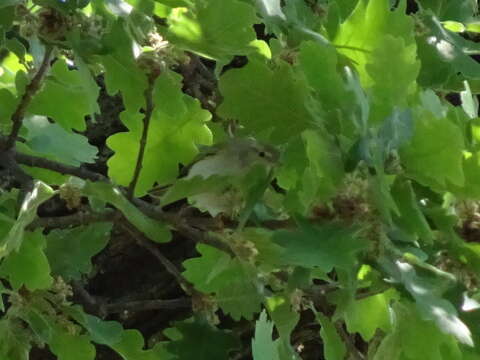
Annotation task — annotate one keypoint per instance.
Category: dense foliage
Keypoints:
(238, 179)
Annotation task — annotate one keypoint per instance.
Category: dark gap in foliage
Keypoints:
(412, 7)
(260, 30)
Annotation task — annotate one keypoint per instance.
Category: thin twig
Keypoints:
(30, 91)
(371, 292)
(181, 224)
(36, 161)
(143, 140)
(348, 341)
(91, 303)
(78, 219)
(144, 305)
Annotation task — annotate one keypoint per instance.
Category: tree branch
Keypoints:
(143, 141)
(349, 342)
(36, 161)
(91, 303)
(30, 91)
(78, 219)
(144, 305)
(181, 224)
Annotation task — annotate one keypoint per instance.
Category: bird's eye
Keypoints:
(262, 154)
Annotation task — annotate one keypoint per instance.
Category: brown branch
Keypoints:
(36, 161)
(208, 79)
(181, 225)
(143, 140)
(7, 161)
(91, 303)
(349, 342)
(78, 219)
(145, 305)
(12, 169)
(30, 91)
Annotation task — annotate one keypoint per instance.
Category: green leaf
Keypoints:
(469, 102)
(364, 34)
(367, 315)
(454, 26)
(346, 7)
(263, 347)
(235, 292)
(283, 315)
(100, 331)
(393, 71)
(39, 324)
(90, 86)
(9, 103)
(381, 44)
(461, 10)
(69, 251)
(68, 89)
(333, 346)
(7, 3)
(153, 229)
(71, 347)
(201, 341)
(323, 247)
(12, 69)
(415, 338)
(443, 54)
(121, 71)
(427, 159)
(63, 5)
(215, 29)
(471, 188)
(17, 47)
(215, 272)
(427, 291)
(276, 101)
(53, 141)
(14, 239)
(131, 347)
(14, 340)
(175, 3)
(172, 138)
(311, 170)
(396, 130)
(29, 266)
(202, 271)
(411, 217)
(319, 63)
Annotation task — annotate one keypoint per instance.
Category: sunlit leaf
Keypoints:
(215, 28)
(174, 134)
